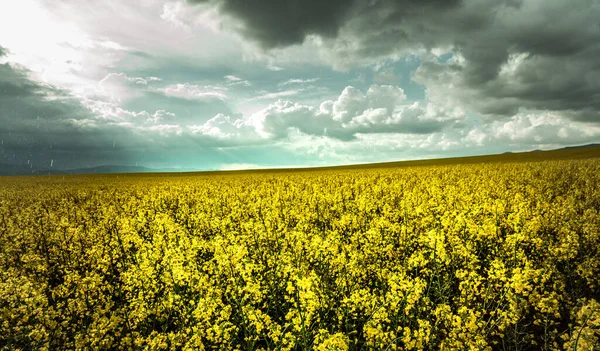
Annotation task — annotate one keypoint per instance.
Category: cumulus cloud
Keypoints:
(380, 110)
(226, 128)
(543, 129)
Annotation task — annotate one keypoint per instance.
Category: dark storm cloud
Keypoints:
(556, 41)
(540, 56)
(25, 102)
(40, 123)
(282, 23)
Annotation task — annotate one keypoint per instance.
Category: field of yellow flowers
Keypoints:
(502, 256)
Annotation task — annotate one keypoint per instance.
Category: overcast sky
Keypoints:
(225, 84)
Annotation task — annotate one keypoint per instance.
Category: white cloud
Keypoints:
(232, 78)
(225, 127)
(275, 68)
(235, 81)
(352, 102)
(477, 136)
(192, 91)
(160, 115)
(110, 111)
(225, 131)
(299, 81)
(173, 12)
(164, 129)
(543, 128)
(275, 120)
(118, 87)
(239, 83)
(275, 95)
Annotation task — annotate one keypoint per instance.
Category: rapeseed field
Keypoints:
(492, 256)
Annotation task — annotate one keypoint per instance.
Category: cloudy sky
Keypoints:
(225, 84)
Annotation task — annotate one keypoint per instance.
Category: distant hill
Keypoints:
(570, 153)
(106, 169)
(10, 169)
(565, 153)
(110, 169)
(588, 146)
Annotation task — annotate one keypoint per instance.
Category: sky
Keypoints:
(229, 84)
